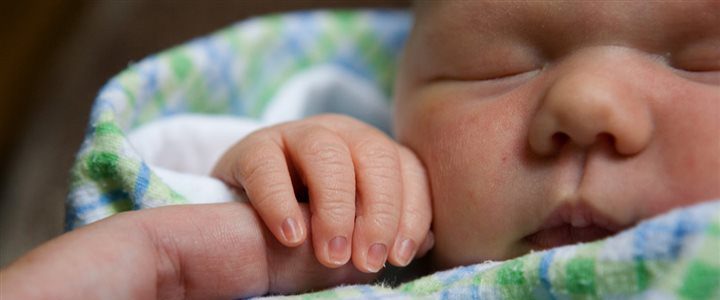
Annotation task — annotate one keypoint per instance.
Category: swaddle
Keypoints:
(158, 127)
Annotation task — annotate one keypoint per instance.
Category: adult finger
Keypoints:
(416, 213)
(324, 163)
(258, 165)
(233, 255)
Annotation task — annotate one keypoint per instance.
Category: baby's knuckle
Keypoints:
(335, 212)
(381, 184)
(325, 152)
(408, 157)
(268, 195)
(383, 177)
(384, 195)
(415, 217)
(383, 218)
(333, 118)
(339, 192)
(301, 127)
(260, 168)
(377, 153)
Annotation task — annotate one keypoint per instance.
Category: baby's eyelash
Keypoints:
(707, 77)
(708, 73)
(705, 71)
(486, 78)
(510, 75)
(488, 87)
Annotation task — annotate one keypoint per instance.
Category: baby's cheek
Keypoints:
(687, 147)
(472, 164)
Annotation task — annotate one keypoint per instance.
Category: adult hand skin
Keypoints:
(204, 251)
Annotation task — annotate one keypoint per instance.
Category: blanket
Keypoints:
(280, 67)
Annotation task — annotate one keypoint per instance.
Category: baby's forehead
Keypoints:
(573, 9)
(674, 19)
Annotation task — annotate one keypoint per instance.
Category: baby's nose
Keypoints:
(581, 105)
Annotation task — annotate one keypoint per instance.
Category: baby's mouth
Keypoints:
(566, 234)
(571, 225)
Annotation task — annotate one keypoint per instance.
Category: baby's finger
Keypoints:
(324, 162)
(379, 184)
(258, 164)
(426, 245)
(416, 213)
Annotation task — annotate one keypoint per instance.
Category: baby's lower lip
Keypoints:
(565, 234)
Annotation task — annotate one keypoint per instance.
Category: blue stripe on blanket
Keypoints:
(104, 199)
(368, 293)
(544, 270)
(141, 185)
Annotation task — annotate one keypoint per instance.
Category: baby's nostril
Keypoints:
(559, 139)
(605, 138)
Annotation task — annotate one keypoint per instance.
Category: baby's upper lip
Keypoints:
(580, 215)
(570, 224)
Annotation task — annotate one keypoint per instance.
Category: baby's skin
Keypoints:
(549, 122)
(538, 124)
(368, 195)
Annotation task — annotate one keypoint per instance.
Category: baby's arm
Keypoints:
(367, 193)
(209, 251)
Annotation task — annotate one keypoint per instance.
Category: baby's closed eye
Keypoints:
(698, 62)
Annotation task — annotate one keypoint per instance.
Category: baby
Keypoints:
(529, 125)
(518, 126)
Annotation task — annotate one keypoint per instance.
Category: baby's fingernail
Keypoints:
(406, 251)
(377, 254)
(291, 230)
(337, 248)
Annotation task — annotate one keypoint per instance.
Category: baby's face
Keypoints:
(548, 123)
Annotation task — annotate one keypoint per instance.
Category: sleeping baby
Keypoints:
(517, 127)
(524, 126)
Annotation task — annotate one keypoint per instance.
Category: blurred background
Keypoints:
(54, 57)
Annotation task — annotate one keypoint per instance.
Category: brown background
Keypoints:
(54, 56)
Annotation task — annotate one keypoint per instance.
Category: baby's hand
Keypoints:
(364, 189)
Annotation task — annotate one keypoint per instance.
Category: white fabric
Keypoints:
(183, 149)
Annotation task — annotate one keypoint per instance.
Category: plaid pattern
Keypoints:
(238, 70)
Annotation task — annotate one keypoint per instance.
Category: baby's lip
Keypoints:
(570, 225)
(566, 234)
